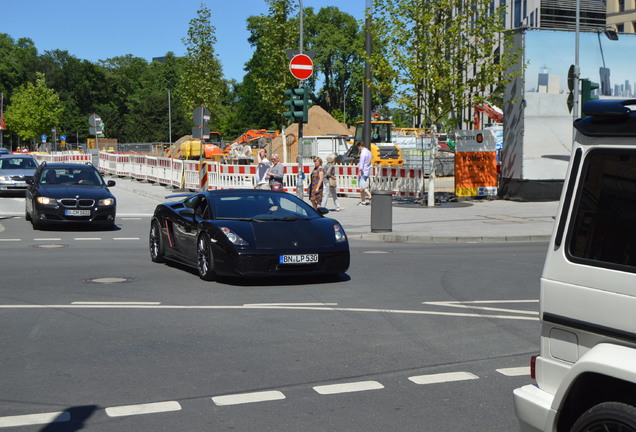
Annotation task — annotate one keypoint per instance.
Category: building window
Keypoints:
(621, 5)
(621, 28)
(518, 17)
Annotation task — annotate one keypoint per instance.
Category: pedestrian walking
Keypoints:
(276, 174)
(316, 187)
(330, 183)
(262, 182)
(364, 171)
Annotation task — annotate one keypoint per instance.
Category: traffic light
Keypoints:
(297, 104)
(586, 91)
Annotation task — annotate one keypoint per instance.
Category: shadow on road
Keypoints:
(71, 420)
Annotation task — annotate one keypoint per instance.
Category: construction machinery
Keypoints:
(383, 151)
(256, 138)
(494, 113)
(213, 148)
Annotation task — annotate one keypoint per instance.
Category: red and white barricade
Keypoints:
(404, 182)
(137, 167)
(108, 163)
(176, 179)
(151, 169)
(164, 171)
(192, 177)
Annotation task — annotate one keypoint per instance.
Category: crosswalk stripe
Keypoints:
(443, 378)
(348, 387)
(244, 398)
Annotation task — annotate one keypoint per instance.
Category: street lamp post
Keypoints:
(577, 69)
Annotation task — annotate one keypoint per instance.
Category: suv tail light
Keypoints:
(533, 367)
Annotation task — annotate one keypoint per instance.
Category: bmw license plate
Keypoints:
(298, 259)
(77, 212)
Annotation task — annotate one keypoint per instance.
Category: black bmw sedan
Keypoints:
(248, 232)
(70, 193)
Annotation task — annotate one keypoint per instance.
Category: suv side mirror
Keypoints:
(110, 183)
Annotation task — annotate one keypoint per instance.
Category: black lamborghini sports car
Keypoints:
(248, 232)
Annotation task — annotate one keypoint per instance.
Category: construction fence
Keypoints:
(188, 175)
(406, 182)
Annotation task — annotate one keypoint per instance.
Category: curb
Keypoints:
(409, 238)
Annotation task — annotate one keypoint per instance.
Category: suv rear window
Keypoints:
(604, 228)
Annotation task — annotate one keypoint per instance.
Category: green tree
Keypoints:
(18, 61)
(443, 56)
(268, 74)
(338, 41)
(34, 109)
(202, 76)
(147, 118)
(80, 85)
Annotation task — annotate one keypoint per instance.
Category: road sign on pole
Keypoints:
(201, 116)
(94, 120)
(301, 66)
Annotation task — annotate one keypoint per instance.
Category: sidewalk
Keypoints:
(477, 220)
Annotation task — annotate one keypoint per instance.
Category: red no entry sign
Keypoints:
(301, 66)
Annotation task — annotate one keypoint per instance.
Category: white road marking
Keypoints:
(149, 408)
(35, 419)
(115, 303)
(244, 398)
(47, 239)
(10, 240)
(348, 387)
(134, 216)
(288, 304)
(443, 378)
(87, 238)
(313, 308)
(126, 238)
(468, 305)
(516, 371)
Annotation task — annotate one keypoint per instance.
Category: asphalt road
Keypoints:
(96, 337)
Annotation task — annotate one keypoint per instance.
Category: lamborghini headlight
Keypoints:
(233, 237)
(339, 233)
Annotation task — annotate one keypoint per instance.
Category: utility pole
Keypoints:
(366, 131)
(301, 13)
(576, 111)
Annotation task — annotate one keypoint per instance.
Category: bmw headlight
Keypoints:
(46, 201)
(106, 202)
(339, 233)
(233, 237)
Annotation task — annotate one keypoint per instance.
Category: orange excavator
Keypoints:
(494, 113)
(256, 138)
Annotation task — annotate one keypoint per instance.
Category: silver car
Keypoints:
(15, 169)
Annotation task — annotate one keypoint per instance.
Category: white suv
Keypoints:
(586, 371)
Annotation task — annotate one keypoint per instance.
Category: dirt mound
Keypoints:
(320, 123)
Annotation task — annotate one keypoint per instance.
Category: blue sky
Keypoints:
(555, 50)
(98, 30)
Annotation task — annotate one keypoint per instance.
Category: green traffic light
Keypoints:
(586, 91)
(297, 104)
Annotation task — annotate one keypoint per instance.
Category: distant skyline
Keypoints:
(555, 50)
(144, 28)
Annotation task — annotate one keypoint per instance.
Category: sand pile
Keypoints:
(320, 123)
